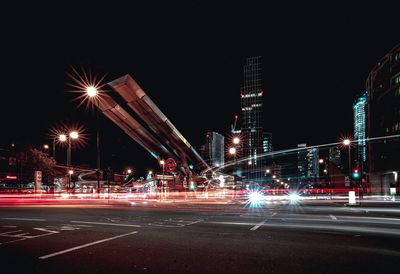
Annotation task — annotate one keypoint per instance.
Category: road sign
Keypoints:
(170, 165)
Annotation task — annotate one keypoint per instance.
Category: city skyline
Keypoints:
(169, 77)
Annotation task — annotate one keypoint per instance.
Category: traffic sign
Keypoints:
(170, 165)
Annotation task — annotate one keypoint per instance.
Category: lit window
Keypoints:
(397, 79)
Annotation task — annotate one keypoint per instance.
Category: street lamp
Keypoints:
(46, 148)
(162, 162)
(93, 93)
(236, 140)
(347, 142)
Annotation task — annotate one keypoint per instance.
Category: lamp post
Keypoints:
(93, 93)
(232, 151)
(162, 162)
(347, 142)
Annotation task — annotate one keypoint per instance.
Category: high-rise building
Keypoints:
(360, 128)
(213, 150)
(252, 124)
(302, 165)
(383, 86)
(335, 157)
(312, 164)
(307, 163)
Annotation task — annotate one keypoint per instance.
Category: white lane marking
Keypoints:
(333, 217)
(85, 245)
(257, 226)
(46, 230)
(24, 219)
(97, 223)
(8, 232)
(195, 222)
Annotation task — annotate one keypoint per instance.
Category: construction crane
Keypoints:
(233, 126)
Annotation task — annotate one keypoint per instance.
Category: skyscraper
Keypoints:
(302, 163)
(252, 129)
(383, 86)
(312, 164)
(360, 129)
(213, 150)
(307, 163)
(335, 157)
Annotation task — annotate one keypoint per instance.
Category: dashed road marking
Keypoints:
(257, 226)
(85, 245)
(333, 217)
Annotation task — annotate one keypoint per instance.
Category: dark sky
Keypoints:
(188, 57)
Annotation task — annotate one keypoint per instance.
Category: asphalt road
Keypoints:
(213, 239)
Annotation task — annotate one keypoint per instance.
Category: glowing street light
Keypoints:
(62, 137)
(273, 176)
(91, 91)
(268, 171)
(129, 171)
(236, 140)
(346, 142)
(46, 146)
(232, 151)
(74, 134)
(321, 161)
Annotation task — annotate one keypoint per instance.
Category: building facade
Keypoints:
(307, 164)
(383, 86)
(267, 142)
(302, 163)
(360, 128)
(213, 150)
(252, 119)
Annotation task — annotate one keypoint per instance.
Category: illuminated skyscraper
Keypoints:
(307, 163)
(360, 130)
(252, 129)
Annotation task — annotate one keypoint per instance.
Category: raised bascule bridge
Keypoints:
(139, 117)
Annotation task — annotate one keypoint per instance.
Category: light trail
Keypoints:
(293, 150)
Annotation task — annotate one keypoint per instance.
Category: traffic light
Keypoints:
(356, 173)
(191, 185)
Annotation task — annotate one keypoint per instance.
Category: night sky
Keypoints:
(188, 57)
